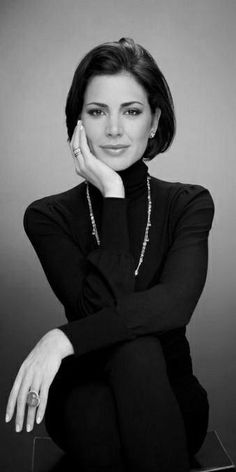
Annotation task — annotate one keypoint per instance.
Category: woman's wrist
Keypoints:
(115, 188)
(114, 194)
(63, 343)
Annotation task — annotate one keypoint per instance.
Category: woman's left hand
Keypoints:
(36, 373)
(106, 179)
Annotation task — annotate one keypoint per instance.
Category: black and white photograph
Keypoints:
(118, 239)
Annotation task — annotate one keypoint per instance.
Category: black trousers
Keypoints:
(117, 409)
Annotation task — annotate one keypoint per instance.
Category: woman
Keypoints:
(126, 254)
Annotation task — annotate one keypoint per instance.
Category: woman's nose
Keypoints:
(114, 127)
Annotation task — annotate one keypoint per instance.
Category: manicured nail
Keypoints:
(7, 418)
(17, 428)
(38, 420)
(28, 428)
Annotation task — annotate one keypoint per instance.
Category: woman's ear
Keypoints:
(155, 121)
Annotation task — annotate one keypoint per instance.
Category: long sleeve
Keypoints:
(112, 265)
(170, 303)
(83, 285)
(119, 313)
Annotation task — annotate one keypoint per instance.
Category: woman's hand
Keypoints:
(37, 373)
(92, 169)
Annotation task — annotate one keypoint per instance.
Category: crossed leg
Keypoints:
(115, 410)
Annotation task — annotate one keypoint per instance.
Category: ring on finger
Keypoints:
(77, 151)
(33, 398)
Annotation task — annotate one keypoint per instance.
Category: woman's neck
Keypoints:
(134, 179)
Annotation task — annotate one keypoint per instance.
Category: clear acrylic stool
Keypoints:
(212, 457)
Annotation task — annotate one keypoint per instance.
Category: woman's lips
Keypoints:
(114, 150)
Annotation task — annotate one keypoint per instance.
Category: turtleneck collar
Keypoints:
(134, 178)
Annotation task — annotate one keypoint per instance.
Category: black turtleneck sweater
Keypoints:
(104, 302)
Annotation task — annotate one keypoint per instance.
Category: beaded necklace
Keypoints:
(146, 239)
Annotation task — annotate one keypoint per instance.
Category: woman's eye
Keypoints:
(133, 111)
(99, 112)
(95, 112)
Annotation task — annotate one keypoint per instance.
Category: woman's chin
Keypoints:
(118, 163)
(118, 166)
(114, 163)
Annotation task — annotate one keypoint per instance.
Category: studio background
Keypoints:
(41, 42)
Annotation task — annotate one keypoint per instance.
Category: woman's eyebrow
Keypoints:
(125, 104)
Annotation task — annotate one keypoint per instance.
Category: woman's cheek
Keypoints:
(142, 132)
(90, 145)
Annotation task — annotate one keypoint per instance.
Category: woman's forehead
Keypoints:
(121, 87)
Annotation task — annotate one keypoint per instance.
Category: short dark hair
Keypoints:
(125, 56)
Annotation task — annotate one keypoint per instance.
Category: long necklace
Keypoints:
(146, 239)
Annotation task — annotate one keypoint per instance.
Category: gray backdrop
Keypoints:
(41, 43)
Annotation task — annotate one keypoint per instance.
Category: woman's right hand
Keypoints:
(37, 373)
(92, 169)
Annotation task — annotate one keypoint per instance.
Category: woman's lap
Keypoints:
(83, 382)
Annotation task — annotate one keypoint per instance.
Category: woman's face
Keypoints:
(117, 119)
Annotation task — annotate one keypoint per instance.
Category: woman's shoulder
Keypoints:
(59, 208)
(181, 193)
(68, 199)
(189, 204)
(176, 186)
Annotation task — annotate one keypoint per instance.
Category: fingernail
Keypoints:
(17, 428)
(38, 420)
(7, 418)
(28, 428)
(78, 122)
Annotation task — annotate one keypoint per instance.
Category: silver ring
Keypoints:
(77, 151)
(33, 398)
